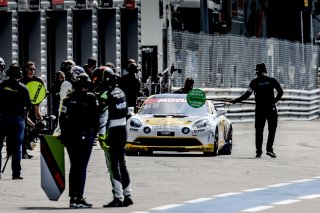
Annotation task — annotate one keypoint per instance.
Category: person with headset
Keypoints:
(79, 123)
(263, 88)
(16, 103)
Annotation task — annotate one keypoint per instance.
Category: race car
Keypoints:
(166, 122)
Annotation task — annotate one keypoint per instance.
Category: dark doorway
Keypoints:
(29, 39)
(6, 36)
(107, 42)
(129, 35)
(82, 35)
(56, 45)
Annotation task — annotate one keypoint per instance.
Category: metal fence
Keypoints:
(228, 61)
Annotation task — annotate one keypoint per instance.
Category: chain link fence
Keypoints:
(228, 61)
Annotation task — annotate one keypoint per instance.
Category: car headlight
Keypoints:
(200, 123)
(136, 123)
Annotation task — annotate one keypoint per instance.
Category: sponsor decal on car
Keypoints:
(198, 131)
(165, 100)
(165, 133)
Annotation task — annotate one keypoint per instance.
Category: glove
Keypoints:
(102, 140)
(104, 146)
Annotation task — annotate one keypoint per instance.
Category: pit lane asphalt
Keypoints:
(189, 182)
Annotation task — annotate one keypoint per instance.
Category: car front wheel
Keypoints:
(215, 145)
(227, 148)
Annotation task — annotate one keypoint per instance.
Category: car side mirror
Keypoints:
(130, 112)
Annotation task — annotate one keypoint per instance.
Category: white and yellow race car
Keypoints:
(166, 122)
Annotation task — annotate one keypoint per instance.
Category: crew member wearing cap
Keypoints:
(2, 66)
(263, 87)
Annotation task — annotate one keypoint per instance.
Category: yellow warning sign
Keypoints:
(37, 92)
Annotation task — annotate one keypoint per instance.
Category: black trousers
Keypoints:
(262, 115)
(79, 153)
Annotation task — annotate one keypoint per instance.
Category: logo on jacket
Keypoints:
(122, 105)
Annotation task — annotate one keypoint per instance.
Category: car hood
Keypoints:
(169, 120)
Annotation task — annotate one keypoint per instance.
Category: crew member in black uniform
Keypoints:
(113, 134)
(263, 87)
(130, 85)
(79, 123)
(15, 102)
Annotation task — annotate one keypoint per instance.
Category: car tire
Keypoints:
(227, 149)
(215, 145)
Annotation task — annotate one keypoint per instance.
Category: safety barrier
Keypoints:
(294, 104)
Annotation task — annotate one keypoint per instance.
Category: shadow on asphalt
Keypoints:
(55, 208)
(173, 154)
(192, 155)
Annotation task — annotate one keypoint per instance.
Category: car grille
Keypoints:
(169, 142)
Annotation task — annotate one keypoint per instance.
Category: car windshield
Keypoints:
(170, 106)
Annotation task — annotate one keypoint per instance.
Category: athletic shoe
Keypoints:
(31, 145)
(17, 178)
(271, 154)
(115, 203)
(73, 202)
(27, 156)
(258, 156)
(82, 203)
(127, 201)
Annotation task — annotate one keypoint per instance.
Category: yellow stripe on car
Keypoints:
(167, 121)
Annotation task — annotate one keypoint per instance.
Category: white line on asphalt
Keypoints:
(258, 208)
(310, 196)
(167, 207)
(227, 194)
(139, 212)
(301, 181)
(199, 200)
(279, 185)
(254, 189)
(255, 209)
(284, 202)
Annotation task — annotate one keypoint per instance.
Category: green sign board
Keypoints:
(196, 98)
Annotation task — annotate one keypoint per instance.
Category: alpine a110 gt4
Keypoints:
(166, 122)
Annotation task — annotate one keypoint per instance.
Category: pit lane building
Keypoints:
(50, 31)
